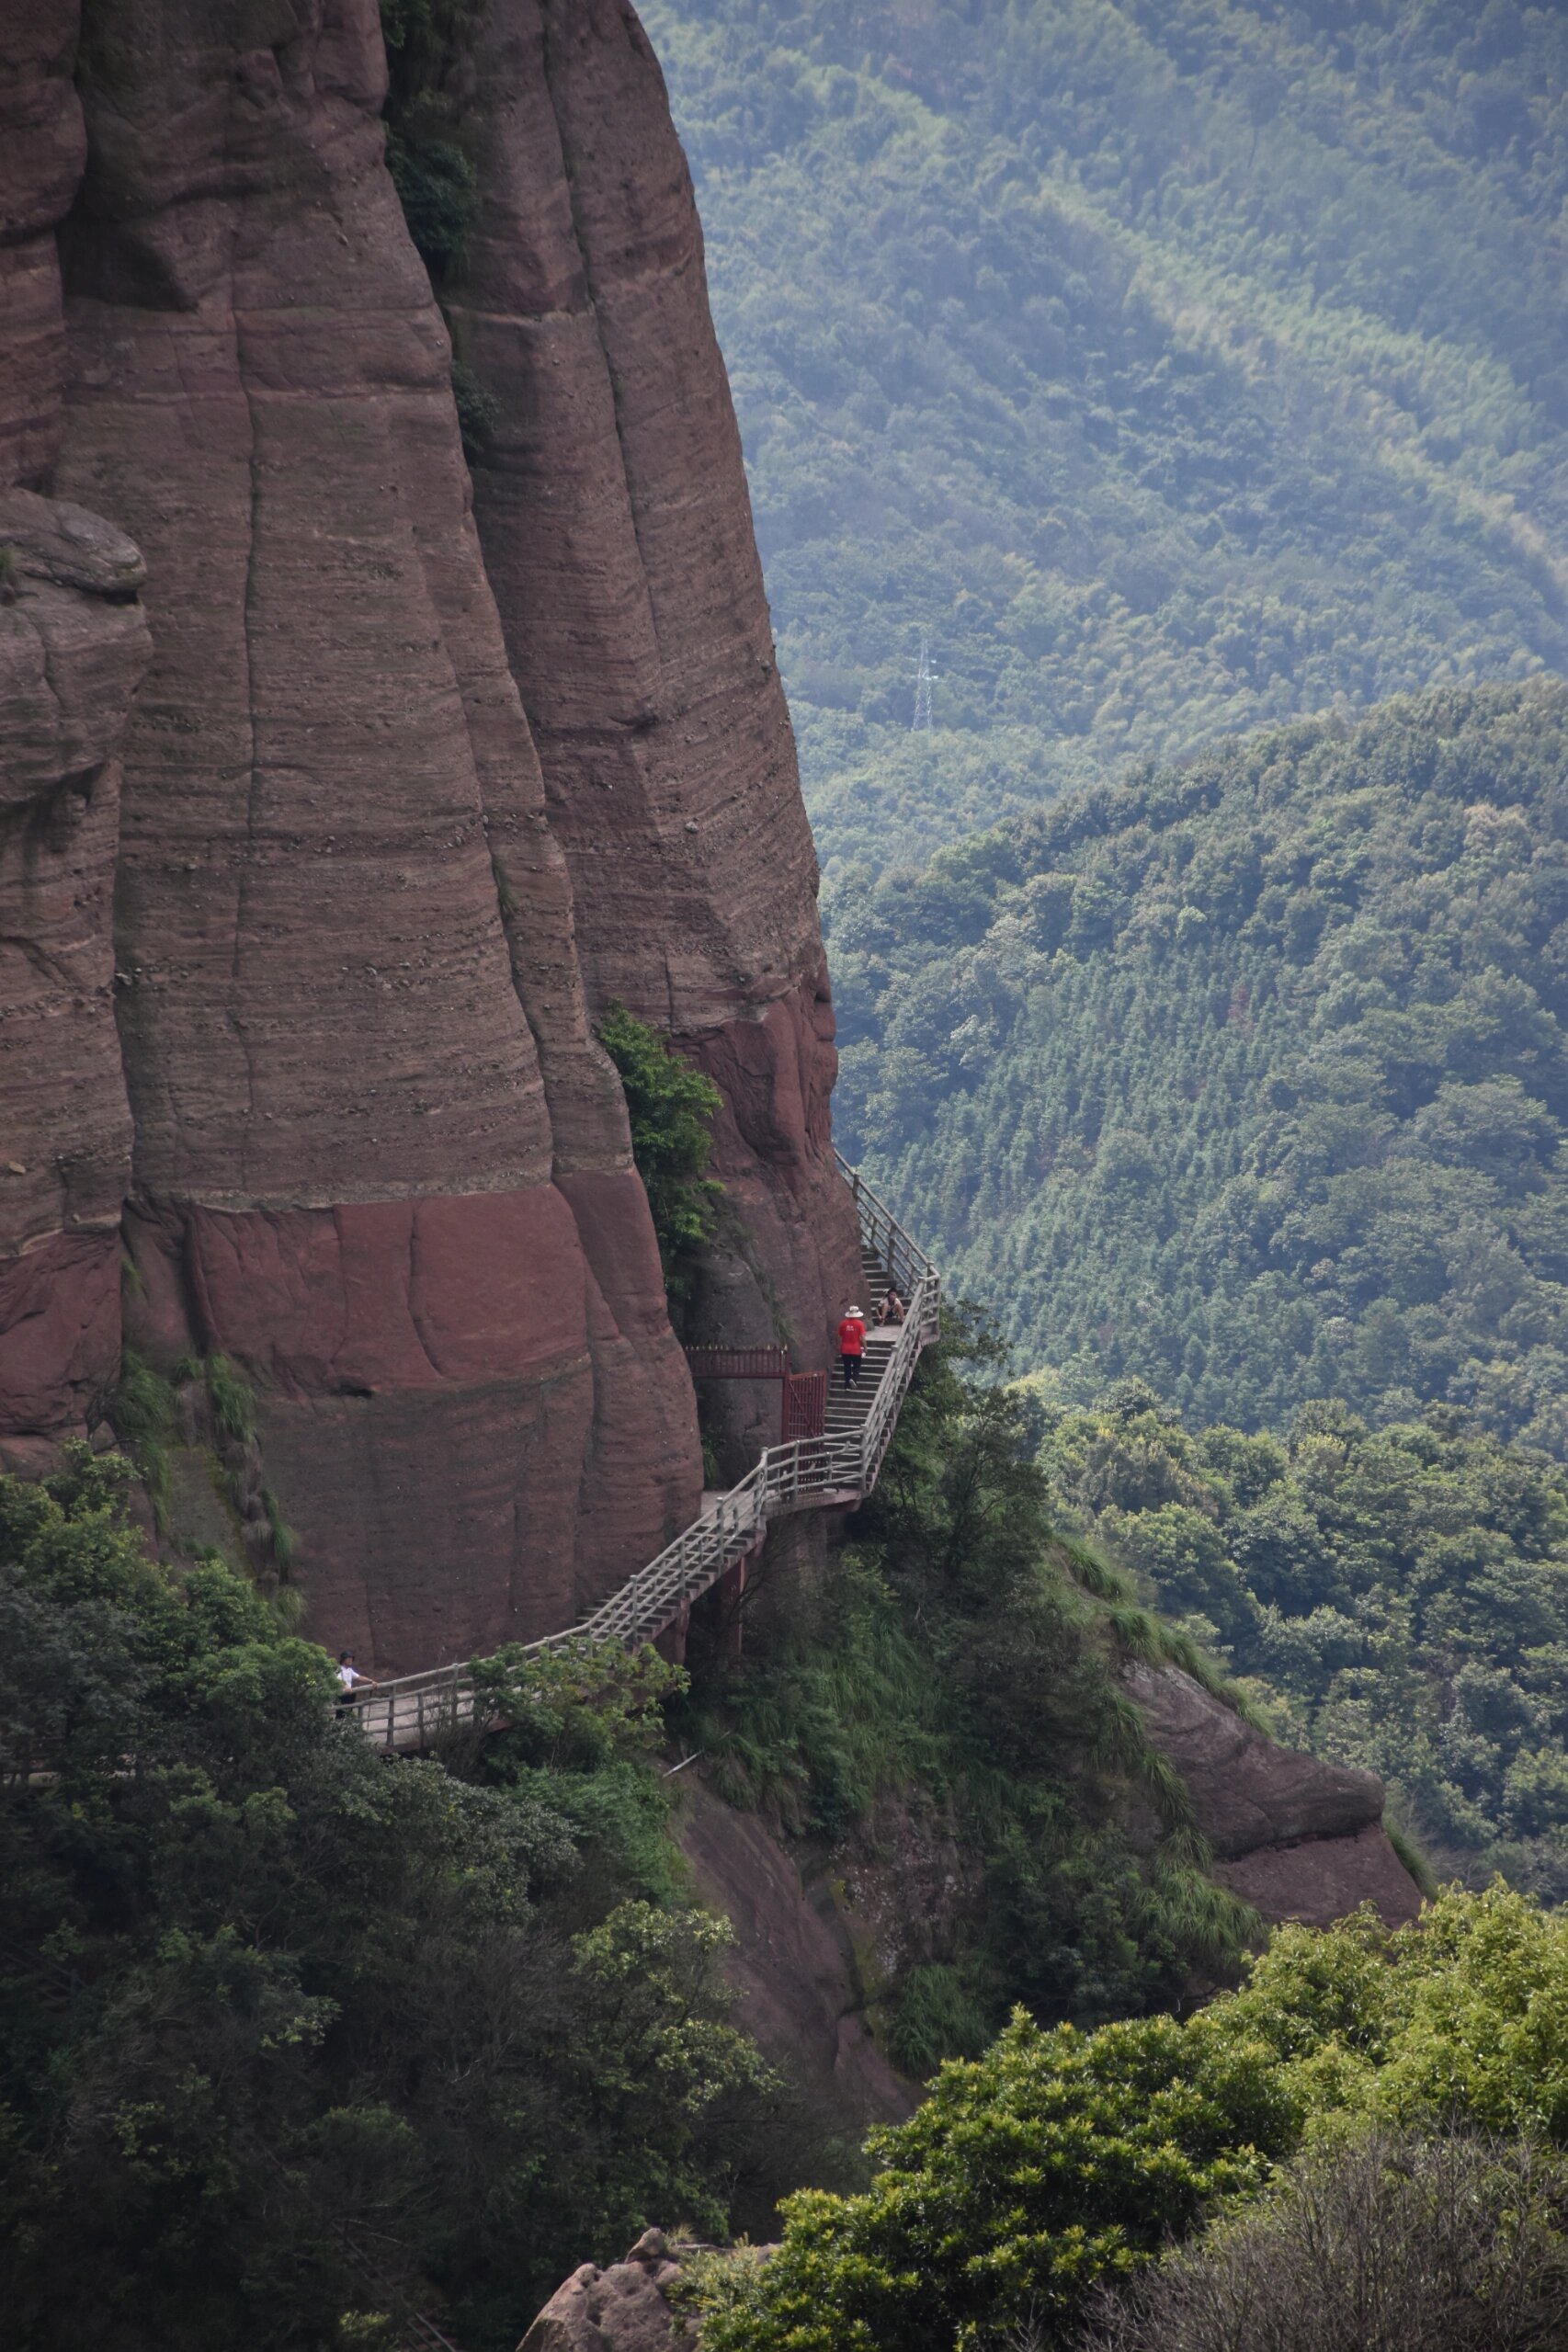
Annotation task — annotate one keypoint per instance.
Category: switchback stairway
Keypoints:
(833, 1471)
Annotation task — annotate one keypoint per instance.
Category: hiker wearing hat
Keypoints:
(852, 1346)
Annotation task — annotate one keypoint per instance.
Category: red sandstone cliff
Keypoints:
(73, 647)
(612, 507)
(360, 932)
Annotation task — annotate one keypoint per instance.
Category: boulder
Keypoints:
(623, 2308)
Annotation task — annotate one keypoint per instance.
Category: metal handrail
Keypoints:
(418, 1709)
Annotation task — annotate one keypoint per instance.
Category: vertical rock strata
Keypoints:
(371, 1148)
(378, 1156)
(42, 148)
(612, 504)
(72, 647)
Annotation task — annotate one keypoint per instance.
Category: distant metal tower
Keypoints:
(923, 678)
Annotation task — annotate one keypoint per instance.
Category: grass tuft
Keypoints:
(232, 1399)
(141, 1411)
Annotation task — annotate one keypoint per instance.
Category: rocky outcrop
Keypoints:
(379, 1158)
(360, 929)
(625, 2308)
(612, 504)
(74, 645)
(795, 1968)
(1294, 1836)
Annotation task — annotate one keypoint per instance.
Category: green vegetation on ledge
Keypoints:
(672, 1108)
(953, 1688)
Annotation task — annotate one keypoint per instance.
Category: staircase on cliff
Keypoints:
(833, 1472)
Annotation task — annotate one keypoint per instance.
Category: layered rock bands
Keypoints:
(354, 1130)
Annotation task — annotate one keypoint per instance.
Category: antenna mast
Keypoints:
(921, 723)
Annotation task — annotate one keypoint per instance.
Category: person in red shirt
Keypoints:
(852, 1346)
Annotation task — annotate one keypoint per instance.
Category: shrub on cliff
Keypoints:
(955, 1666)
(1061, 2161)
(428, 157)
(273, 2008)
(672, 1107)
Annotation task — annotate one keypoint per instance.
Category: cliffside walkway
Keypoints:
(833, 1471)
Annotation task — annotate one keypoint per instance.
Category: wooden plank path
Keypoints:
(833, 1471)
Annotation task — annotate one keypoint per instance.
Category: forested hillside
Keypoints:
(1248, 1077)
(1399, 1597)
(1181, 366)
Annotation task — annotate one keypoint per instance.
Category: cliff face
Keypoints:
(372, 1151)
(73, 647)
(612, 507)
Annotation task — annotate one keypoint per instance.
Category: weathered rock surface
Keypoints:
(612, 503)
(623, 2309)
(42, 146)
(74, 645)
(794, 1968)
(379, 1157)
(1298, 1838)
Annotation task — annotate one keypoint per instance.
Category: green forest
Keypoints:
(1181, 367)
(1247, 1077)
(296, 2044)
(1396, 1598)
(296, 2041)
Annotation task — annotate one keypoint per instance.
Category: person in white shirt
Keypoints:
(350, 1677)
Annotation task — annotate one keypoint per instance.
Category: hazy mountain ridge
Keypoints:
(1181, 369)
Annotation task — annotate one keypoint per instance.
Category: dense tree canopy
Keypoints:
(1399, 1598)
(1061, 2159)
(293, 2036)
(1183, 366)
(1249, 1077)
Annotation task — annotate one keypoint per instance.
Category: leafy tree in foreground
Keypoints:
(272, 2007)
(1062, 2161)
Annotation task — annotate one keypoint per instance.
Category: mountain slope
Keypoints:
(1249, 1077)
(1181, 368)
